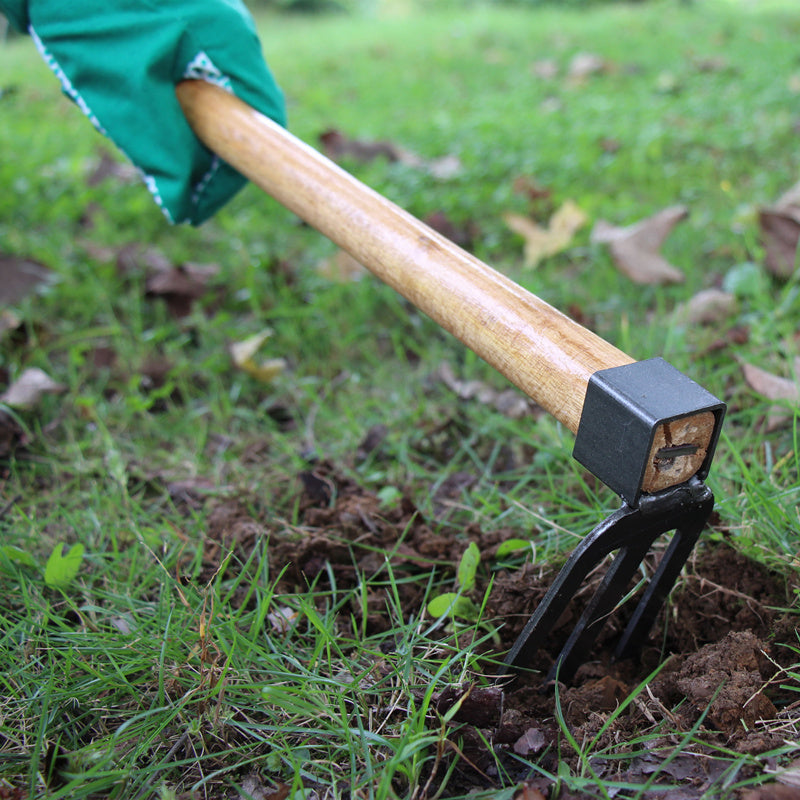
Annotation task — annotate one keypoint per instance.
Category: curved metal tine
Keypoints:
(684, 509)
(603, 602)
(611, 534)
(665, 576)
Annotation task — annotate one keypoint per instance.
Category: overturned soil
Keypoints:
(719, 647)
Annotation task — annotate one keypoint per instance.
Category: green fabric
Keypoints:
(119, 60)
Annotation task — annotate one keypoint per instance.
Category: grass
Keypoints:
(140, 679)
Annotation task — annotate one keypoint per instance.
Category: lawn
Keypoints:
(217, 577)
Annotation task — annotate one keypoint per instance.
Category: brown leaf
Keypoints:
(540, 243)
(771, 386)
(27, 390)
(772, 791)
(337, 146)
(508, 402)
(108, 166)
(526, 792)
(532, 741)
(462, 235)
(584, 65)
(706, 308)
(635, 247)
(780, 231)
(180, 286)
(20, 276)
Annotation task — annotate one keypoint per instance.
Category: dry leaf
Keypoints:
(243, 354)
(336, 146)
(526, 792)
(771, 386)
(462, 235)
(541, 242)
(27, 390)
(180, 286)
(508, 402)
(706, 307)
(108, 166)
(20, 276)
(532, 741)
(780, 230)
(772, 791)
(583, 65)
(635, 248)
(341, 267)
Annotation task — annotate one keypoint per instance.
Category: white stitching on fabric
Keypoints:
(201, 67)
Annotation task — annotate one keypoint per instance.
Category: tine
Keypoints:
(631, 531)
(608, 536)
(662, 582)
(605, 599)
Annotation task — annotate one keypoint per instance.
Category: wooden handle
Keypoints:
(536, 347)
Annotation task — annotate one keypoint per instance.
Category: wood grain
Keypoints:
(540, 350)
(536, 347)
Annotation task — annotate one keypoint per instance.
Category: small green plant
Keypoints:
(62, 568)
(456, 604)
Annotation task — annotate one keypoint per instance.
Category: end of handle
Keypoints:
(646, 427)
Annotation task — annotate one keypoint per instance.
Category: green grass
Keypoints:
(148, 681)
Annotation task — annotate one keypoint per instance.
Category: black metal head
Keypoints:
(630, 531)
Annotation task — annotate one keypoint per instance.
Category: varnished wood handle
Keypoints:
(543, 352)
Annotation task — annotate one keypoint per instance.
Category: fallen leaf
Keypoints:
(462, 235)
(772, 791)
(584, 65)
(337, 146)
(710, 64)
(790, 775)
(529, 187)
(773, 387)
(508, 402)
(243, 354)
(780, 231)
(635, 248)
(108, 166)
(180, 286)
(540, 243)
(20, 277)
(27, 390)
(532, 741)
(526, 792)
(706, 308)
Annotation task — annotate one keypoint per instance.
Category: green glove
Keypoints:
(119, 60)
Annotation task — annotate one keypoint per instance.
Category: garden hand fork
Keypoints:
(643, 428)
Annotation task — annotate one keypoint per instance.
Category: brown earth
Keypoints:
(721, 683)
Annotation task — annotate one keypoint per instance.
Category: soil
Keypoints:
(718, 645)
